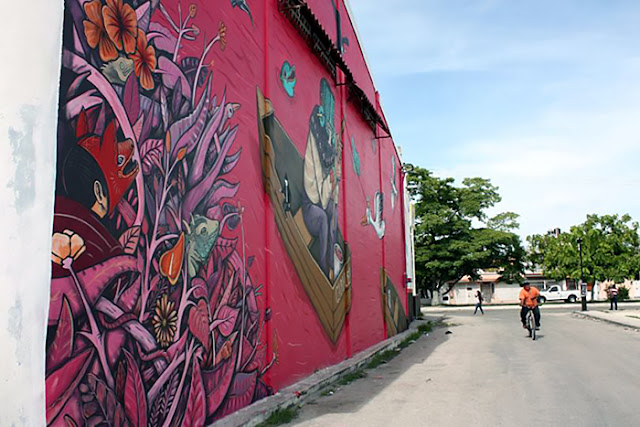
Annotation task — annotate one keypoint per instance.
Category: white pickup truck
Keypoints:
(554, 293)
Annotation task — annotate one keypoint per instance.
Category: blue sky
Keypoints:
(542, 97)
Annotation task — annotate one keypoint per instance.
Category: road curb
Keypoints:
(311, 387)
(583, 314)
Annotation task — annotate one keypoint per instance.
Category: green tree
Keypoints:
(610, 250)
(454, 237)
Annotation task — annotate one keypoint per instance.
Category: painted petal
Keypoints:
(60, 245)
(92, 32)
(114, 4)
(171, 261)
(151, 57)
(146, 79)
(93, 9)
(129, 41)
(77, 246)
(108, 51)
(112, 26)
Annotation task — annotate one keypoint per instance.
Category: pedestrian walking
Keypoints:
(479, 300)
(613, 297)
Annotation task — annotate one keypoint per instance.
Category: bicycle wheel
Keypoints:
(532, 326)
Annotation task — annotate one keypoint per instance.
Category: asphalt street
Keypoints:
(487, 372)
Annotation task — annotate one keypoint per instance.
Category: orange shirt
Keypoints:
(531, 297)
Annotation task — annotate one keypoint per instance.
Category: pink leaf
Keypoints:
(62, 383)
(199, 323)
(217, 384)
(129, 239)
(162, 37)
(135, 398)
(241, 392)
(196, 412)
(171, 74)
(131, 98)
(62, 346)
(143, 13)
(137, 127)
(151, 154)
(227, 317)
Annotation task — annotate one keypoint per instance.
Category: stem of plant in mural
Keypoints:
(154, 317)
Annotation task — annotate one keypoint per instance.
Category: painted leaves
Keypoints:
(196, 412)
(100, 405)
(135, 398)
(62, 346)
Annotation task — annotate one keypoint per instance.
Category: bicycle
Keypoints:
(530, 323)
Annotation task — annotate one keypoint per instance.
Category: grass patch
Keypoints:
(327, 392)
(631, 315)
(352, 376)
(281, 416)
(380, 358)
(425, 328)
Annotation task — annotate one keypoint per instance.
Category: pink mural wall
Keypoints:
(226, 221)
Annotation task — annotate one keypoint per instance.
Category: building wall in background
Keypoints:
(226, 222)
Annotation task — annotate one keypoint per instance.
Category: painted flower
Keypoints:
(66, 247)
(96, 33)
(193, 9)
(165, 321)
(144, 61)
(121, 24)
(171, 261)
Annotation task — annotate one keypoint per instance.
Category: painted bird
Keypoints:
(376, 220)
(242, 5)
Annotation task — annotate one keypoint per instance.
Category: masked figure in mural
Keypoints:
(96, 173)
(321, 181)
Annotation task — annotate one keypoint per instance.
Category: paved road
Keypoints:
(488, 373)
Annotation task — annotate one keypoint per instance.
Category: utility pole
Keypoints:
(583, 286)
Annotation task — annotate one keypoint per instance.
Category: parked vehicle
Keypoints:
(555, 293)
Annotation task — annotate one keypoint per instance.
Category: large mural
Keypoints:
(154, 315)
(221, 213)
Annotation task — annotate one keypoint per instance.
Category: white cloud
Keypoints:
(588, 165)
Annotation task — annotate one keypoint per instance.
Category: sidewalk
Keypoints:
(310, 388)
(629, 318)
(597, 305)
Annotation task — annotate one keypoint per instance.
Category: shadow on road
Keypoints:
(351, 397)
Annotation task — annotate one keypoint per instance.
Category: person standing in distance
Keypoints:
(479, 301)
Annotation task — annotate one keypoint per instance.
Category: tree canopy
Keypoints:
(610, 250)
(454, 237)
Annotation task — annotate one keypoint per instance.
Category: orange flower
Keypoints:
(144, 61)
(121, 24)
(66, 247)
(171, 261)
(96, 33)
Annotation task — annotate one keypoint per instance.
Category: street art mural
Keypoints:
(304, 192)
(204, 196)
(154, 316)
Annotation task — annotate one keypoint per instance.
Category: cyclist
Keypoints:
(529, 300)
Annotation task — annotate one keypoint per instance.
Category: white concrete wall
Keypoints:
(30, 36)
(504, 293)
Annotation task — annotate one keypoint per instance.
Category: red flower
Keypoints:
(144, 61)
(96, 33)
(121, 24)
(171, 261)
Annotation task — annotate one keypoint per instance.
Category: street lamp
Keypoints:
(583, 286)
